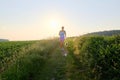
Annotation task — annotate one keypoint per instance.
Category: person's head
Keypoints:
(62, 27)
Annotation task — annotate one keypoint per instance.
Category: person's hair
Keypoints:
(62, 27)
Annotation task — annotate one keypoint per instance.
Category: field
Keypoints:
(89, 58)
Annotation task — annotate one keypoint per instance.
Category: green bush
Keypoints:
(10, 50)
(24, 68)
(101, 55)
(98, 58)
(30, 61)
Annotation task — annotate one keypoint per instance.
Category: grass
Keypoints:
(44, 60)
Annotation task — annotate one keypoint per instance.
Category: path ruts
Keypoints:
(54, 68)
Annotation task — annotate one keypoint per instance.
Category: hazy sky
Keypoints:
(38, 19)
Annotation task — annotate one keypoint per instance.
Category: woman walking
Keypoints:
(62, 35)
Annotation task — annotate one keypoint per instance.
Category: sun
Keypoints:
(54, 23)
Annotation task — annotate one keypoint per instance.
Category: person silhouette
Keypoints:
(62, 34)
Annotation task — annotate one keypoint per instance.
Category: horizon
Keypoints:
(36, 20)
(58, 37)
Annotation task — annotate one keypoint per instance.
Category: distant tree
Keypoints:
(2, 40)
(105, 33)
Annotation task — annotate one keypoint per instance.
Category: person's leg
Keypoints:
(61, 44)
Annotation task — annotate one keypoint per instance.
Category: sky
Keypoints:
(41, 19)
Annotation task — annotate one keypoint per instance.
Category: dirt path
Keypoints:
(54, 68)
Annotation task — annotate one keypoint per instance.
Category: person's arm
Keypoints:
(65, 33)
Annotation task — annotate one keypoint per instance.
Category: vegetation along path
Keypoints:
(89, 58)
(58, 66)
(54, 68)
(44, 61)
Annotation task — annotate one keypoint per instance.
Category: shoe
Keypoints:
(62, 49)
(65, 54)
